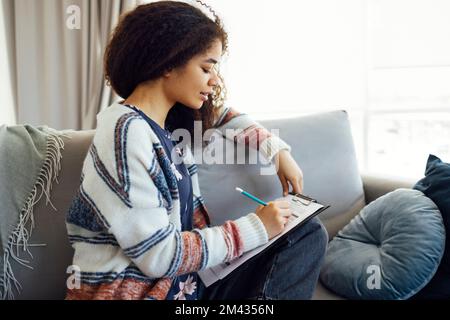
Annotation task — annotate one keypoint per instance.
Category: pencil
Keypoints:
(249, 195)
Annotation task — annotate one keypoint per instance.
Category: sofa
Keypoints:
(321, 143)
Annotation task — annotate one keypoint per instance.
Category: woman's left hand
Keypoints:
(289, 172)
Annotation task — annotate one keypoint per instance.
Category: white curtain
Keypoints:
(57, 51)
(7, 73)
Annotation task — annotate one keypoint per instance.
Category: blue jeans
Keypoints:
(288, 270)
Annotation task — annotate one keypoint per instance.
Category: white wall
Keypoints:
(294, 56)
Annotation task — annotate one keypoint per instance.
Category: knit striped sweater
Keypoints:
(124, 221)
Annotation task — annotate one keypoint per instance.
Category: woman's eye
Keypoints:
(206, 71)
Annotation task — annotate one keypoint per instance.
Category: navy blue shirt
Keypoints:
(186, 204)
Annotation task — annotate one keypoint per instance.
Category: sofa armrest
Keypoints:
(375, 186)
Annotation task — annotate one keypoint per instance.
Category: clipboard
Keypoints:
(311, 209)
(306, 201)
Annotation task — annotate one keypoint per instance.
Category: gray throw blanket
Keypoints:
(29, 163)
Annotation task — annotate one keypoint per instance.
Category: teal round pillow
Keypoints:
(390, 250)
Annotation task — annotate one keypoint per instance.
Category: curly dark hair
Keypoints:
(157, 37)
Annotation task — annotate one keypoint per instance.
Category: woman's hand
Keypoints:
(274, 216)
(289, 172)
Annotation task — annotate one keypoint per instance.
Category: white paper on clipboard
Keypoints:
(302, 207)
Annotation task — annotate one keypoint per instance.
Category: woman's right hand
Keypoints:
(274, 216)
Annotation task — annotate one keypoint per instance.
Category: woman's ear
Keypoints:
(168, 73)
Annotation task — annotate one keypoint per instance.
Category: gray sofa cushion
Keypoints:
(323, 146)
(389, 251)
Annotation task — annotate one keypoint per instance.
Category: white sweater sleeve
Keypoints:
(123, 178)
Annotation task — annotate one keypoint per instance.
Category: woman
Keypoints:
(138, 223)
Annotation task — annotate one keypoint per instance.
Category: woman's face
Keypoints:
(194, 82)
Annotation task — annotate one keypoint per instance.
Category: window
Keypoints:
(408, 103)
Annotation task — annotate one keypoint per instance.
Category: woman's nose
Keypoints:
(215, 80)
